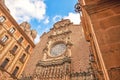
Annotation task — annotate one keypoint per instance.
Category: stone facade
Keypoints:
(15, 46)
(101, 24)
(46, 62)
(63, 53)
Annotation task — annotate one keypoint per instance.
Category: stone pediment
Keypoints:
(62, 23)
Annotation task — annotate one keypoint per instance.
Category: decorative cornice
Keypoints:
(54, 62)
(56, 35)
(78, 74)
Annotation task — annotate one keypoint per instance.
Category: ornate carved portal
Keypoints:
(53, 70)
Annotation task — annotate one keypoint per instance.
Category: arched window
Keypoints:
(5, 62)
(2, 19)
(15, 71)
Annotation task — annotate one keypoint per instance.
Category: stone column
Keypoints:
(69, 44)
(45, 53)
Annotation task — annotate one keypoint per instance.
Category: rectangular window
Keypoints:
(15, 71)
(4, 39)
(22, 58)
(5, 62)
(14, 49)
(20, 39)
(12, 30)
(27, 49)
(2, 19)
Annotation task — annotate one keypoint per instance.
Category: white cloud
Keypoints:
(25, 10)
(57, 18)
(74, 17)
(46, 20)
(37, 39)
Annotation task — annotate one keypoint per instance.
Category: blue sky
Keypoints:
(42, 14)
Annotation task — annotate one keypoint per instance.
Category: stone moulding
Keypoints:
(65, 33)
(54, 62)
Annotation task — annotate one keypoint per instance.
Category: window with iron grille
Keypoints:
(12, 30)
(3, 40)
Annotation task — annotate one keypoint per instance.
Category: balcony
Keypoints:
(12, 52)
